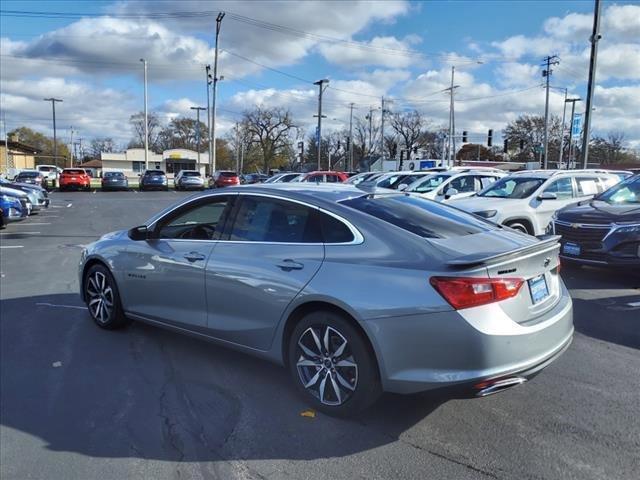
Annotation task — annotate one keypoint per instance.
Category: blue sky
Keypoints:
(403, 50)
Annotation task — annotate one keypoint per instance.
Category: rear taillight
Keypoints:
(465, 292)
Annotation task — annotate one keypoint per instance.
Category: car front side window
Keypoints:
(203, 221)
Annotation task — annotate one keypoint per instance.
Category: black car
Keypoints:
(30, 176)
(114, 181)
(605, 230)
(153, 180)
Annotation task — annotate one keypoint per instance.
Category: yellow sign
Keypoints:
(175, 155)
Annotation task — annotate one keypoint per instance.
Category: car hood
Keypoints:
(28, 186)
(13, 192)
(479, 204)
(599, 212)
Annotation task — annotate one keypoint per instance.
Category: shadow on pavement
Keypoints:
(148, 393)
(599, 311)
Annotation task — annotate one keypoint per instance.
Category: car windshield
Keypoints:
(154, 172)
(391, 180)
(190, 174)
(113, 174)
(628, 191)
(512, 187)
(72, 171)
(420, 216)
(428, 184)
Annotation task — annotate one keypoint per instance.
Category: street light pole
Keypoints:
(209, 82)
(212, 158)
(146, 121)
(573, 110)
(320, 84)
(564, 113)
(550, 60)
(197, 109)
(351, 137)
(55, 141)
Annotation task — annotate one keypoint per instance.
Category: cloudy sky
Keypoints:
(87, 53)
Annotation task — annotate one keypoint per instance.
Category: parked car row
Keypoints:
(18, 200)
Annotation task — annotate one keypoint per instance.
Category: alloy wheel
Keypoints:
(326, 365)
(101, 298)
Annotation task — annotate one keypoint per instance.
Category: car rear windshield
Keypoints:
(512, 187)
(228, 174)
(628, 191)
(190, 174)
(113, 174)
(28, 174)
(154, 172)
(46, 169)
(74, 171)
(420, 216)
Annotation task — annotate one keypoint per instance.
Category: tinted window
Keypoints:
(463, 184)
(228, 174)
(563, 188)
(29, 174)
(486, 181)
(72, 171)
(587, 185)
(113, 174)
(333, 230)
(154, 172)
(199, 222)
(261, 219)
(332, 178)
(416, 215)
(190, 174)
(512, 187)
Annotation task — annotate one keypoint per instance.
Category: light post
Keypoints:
(198, 109)
(146, 123)
(55, 141)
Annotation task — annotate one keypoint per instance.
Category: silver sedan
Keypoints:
(355, 293)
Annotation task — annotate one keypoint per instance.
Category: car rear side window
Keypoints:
(420, 216)
(587, 185)
(262, 219)
(562, 187)
(333, 230)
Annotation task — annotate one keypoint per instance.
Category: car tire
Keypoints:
(340, 380)
(519, 226)
(103, 299)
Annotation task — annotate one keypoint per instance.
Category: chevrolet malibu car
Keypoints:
(355, 293)
(527, 200)
(604, 231)
(114, 181)
(153, 180)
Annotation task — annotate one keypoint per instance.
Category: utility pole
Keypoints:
(573, 110)
(198, 109)
(6, 142)
(80, 151)
(212, 158)
(146, 121)
(71, 149)
(550, 60)
(382, 152)
(351, 137)
(55, 141)
(564, 113)
(320, 83)
(209, 82)
(451, 145)
(595, 38)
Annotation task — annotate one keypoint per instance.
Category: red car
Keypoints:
(74, 178)
(324, 176)
(224, 179)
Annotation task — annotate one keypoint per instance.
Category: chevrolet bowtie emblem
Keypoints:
(575, 225)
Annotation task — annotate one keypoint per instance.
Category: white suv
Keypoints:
(527, 200)
(50, 172)
(452, 184)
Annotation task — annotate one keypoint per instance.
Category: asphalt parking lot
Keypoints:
(77, 402)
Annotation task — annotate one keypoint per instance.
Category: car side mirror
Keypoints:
(547, 196)
(450, 193)
(139, 233)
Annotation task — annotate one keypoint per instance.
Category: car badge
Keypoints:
(575, 225)
(547, 261)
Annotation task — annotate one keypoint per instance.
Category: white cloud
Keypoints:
(382, 51)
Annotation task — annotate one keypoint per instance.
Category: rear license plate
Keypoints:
(571, 249)
(538, 289)
(73, 178)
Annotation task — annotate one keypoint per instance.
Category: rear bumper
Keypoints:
(441, 350)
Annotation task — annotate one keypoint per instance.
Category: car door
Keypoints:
(164, 278)
(272, 249)
(563, 189)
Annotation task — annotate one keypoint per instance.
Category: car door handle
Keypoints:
(194, 256)
(287, 265)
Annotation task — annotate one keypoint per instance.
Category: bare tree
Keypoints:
(99, 145)
(270, 129)
(408, 126)
(137, 123)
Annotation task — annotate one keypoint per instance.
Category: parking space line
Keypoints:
(29, 223)
(69, 204)
(11, 246)
(19, 233)
(60, 306)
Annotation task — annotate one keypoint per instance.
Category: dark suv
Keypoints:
(153, 180)
(605, 230)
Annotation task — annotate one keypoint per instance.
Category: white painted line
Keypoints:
(56, 206)
(634, 304)
(29, 223)
(47, 216)
(19, 233)
(135, 191)
(60, 306)
(11, 246)
(94, 192)
(69, 204)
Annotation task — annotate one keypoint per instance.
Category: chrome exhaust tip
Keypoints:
(498, 385)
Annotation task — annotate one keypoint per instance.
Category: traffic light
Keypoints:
(415, 150)
(490, 138)
(464, 136)
(521, 144)
(506, 146)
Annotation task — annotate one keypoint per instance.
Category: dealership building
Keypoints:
(131, 161)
